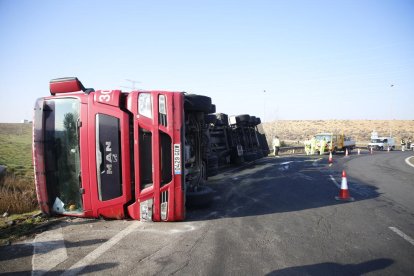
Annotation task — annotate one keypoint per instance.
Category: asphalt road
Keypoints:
(276, 216)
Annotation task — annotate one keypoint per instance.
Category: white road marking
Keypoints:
(402, 234)
(334, 181)
(88, 259)
(286, 163)
(187, 228)
(408, 162)
(315, 162)
(163, 229)
(48, 251)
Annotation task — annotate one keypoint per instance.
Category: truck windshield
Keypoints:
(321, 137)
(61, 121)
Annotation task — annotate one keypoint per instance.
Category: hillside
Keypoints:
(292, 131)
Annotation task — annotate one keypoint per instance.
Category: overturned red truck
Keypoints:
(112, 154)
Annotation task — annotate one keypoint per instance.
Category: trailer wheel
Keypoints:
(210, 119)
(195, 102)
(252, 120)
(243, 118)
(222, 119)
(202, 197)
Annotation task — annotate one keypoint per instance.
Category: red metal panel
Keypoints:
(65, 85)
(84, 157)
(174, 104)
(132, 106)
(109, 97)
(177, 134)
(38, 157)
(113, 208)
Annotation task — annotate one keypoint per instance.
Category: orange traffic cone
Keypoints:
(330, 161)
(344, 192)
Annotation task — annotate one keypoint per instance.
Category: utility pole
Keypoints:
(264, 105)
(391, 109)
(133, 82)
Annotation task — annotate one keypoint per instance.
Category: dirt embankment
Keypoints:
(294, 131)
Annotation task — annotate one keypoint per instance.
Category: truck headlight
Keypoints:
(145, 105)
(161, 105)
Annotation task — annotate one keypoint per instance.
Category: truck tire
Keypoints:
(210, 119)
(243, 118)
(195, 102)
(252, 120)
(212, 109)
(200, 198)
(258, 121)
(222, 119)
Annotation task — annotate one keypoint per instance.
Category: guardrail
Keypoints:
(301, 149)
(290, 150)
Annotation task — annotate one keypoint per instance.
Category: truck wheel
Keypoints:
(195, 102)
(200, 198)
(212, 108)
(210, 119)
(252, 120)
(222, 119)
(243, 118)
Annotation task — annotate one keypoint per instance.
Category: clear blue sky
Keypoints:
(315, 59)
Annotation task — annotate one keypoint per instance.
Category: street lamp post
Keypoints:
(264, 105)
(391, 109)
(133, 82)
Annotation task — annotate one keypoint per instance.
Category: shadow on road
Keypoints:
(88, 269)
(276, 185)
(335, 268)
(24, 250)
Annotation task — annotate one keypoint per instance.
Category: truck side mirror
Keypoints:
(67, 85)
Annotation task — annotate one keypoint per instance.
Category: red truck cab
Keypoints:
(111, 154)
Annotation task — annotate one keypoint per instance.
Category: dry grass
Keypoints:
(292, 131)
(17, 195)
(17, 189)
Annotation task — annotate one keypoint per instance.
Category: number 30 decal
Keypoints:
(105, 96)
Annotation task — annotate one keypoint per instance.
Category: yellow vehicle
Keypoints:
(334, 142)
